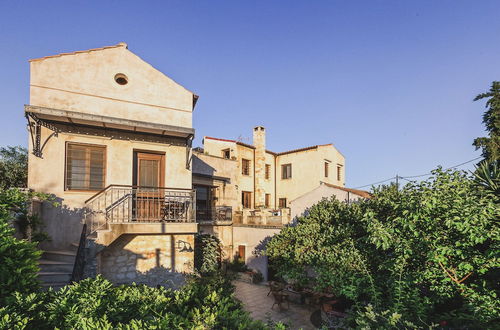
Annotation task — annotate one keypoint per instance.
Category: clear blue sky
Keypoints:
(390, 83)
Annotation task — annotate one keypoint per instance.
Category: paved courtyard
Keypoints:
(258, 304)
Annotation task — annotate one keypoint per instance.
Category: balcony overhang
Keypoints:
(108, 236)
(49, 115)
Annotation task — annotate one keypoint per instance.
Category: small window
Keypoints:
(85, 167)
(326, 169)
(226, 153)
(268, 171)
(282, 202)
(246, 199)
(268, 200)
(245, 167)
(339, 172)
(121, 79)
(286, 171)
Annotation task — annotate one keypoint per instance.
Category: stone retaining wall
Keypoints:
(148, 259)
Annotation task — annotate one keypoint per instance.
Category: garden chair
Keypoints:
(275, 287)
(332, 319)
(280, 298)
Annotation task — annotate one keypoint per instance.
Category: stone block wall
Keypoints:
(148, 259)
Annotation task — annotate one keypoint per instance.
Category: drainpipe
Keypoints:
(275, 180)
(253, 180)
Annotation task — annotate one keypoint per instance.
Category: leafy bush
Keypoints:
(207, 253)
(18, 257)
(414, 255)
(204, 303)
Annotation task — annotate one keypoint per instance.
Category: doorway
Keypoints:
(148, 179)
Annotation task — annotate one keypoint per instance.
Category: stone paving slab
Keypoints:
(258, 304)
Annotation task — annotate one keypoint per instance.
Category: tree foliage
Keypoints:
(408, 258)
(13, 167)
(491, 119)
(18, 257)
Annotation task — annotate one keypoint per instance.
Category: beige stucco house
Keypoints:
(265, 190)
(110, 138)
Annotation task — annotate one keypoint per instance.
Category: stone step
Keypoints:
(59, 255)
(55, 266)
(54, 277)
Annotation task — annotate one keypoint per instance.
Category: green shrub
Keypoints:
(207, 253)
(414, 255)
(203, 303)
(18, 257)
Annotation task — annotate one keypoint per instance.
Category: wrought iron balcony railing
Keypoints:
(132, 204)
(214, 214)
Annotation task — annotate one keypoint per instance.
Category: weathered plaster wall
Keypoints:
(207, 166)
(63, 223)
(308, 171)
(214, 147)
(245, 182)
(254, 240)
(299, 205)
(269, 184)
(84, 82)
(148, 259)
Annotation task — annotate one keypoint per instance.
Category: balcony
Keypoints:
(263, 217)
(214, 215)
(131, 205)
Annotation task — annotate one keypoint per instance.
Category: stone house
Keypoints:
(110, 137)
(264, 189)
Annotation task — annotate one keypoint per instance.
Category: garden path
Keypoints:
(258, 304)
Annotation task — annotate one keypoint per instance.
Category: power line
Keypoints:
(416, 176)
(371, 184)
(454, 166)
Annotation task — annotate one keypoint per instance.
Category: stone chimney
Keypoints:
(259, 142)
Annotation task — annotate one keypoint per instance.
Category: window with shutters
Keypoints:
(85, 167)
(268, 171)
(339, 172)
(226, 153)
(282, 202)
(286, 171)
(326, 169)
(245, 167)
(246, 199)
(268, 200)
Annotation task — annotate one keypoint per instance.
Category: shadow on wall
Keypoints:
(257, 260)
(147, 259)
(201, 167)
(63, 225)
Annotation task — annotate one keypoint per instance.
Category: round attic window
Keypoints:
(121, 79)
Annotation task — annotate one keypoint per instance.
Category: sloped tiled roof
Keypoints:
(361, 193)
(269, 151)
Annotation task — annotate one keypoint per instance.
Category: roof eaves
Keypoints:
(361, 193)
(217, 139)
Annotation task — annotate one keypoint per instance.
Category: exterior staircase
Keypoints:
(56, 267)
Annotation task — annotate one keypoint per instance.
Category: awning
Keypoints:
(86, 119)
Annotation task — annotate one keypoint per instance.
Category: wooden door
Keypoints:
(241, 253)
(149, 177)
